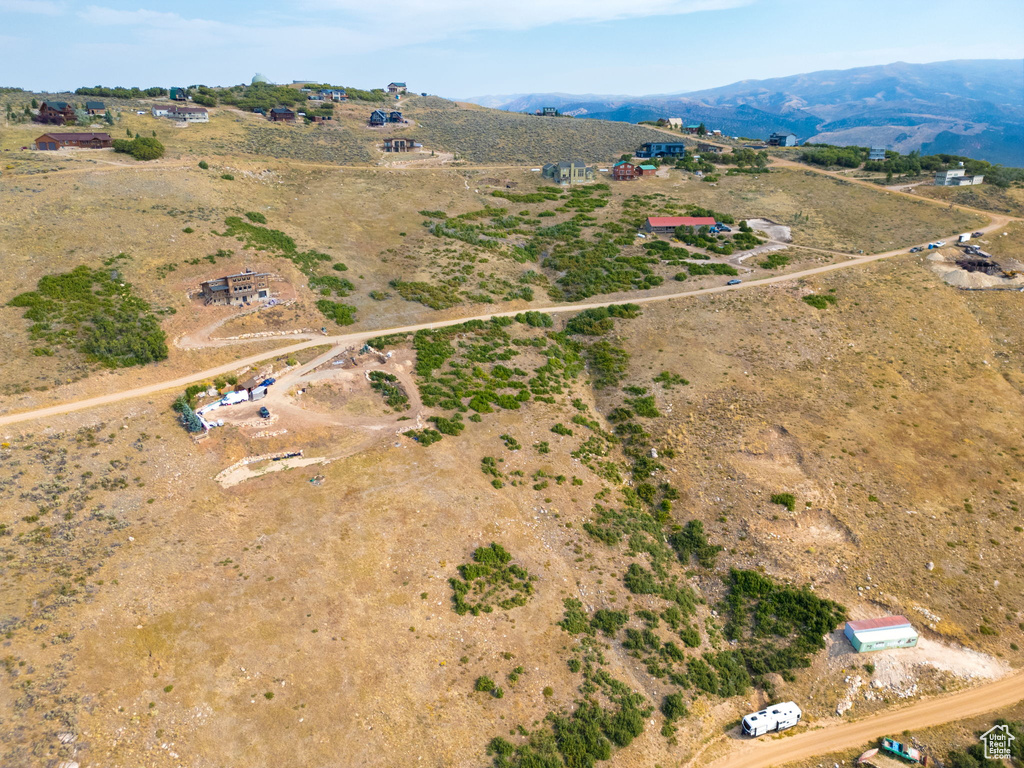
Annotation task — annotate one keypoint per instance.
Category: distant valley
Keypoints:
(973, 108)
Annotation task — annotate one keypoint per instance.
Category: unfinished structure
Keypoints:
(238, 289)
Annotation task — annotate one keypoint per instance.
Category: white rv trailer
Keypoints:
(777, 717)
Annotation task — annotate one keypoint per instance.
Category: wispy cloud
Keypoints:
(40, 7)
(466, 15)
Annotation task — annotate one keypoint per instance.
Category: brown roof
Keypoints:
(77, 136)
(883, 622)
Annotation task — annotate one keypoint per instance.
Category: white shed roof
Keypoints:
(883, 635)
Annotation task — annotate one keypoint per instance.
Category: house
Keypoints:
(568, 172)
(178, 94)
(782, 140)
(189, 114)
(646, 170)
(675, 122)
(95, 107)
(378, 117)
(315, 97)
(710, 148)
(666, 225)
(282, 115)
(397, 88)
(693, 128)
(876, 153)
(395, 117)
(400, 145)
(56, 113)
(956, 177)
(879, 634)
(161, 110)
(53, 141)
(329, 94)
(549, 112)
(662, 149)
(241, 288)
(624, 171)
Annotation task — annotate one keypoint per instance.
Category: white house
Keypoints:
(956, 177)
(161, 110)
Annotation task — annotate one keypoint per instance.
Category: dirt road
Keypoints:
(765, 753)
(350, 339)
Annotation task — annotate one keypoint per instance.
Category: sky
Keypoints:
(470, 48)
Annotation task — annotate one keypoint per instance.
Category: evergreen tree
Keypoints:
(702, 130)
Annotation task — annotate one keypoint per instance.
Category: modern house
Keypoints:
(95, 107)
(188, 114)
(956, 177)
(879, 634)
(646, 170)
(378, 117)
(330, 94)
(782, 140)
(568, 172)
(395, 117)
(666, 225)
(282, 115)
(624, 171)
(548, 112)
(56, 113)
(178, 94)
(241, 288)
(876, 153)
(710, 148)
(662, 149)
(397, 88)
(53, 141)
(400, 145)
(692, 128)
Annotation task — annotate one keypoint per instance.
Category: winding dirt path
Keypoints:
(349, 339)
(767, 753)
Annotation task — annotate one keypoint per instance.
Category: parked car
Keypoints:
(723, 228)
(916, 249)
(734, 282)
(977, 234)
(939, 243)
(264, 413)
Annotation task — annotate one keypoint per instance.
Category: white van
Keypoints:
(777, 717)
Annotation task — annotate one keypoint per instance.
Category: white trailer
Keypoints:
(777, 717)
(965, 237)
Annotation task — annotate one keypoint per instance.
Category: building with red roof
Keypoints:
(666, 225)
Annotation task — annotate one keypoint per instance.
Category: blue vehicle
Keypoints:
(267, 382)
(734, 282)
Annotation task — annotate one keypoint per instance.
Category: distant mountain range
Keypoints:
(973, 108)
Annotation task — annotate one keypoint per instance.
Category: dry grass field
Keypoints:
(149, 615)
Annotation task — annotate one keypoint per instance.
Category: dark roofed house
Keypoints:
(400, 145)
(95, 107)
(395, 117)
(782, 140)
(396, 88)
(56, 113)
(712, 148)
(378, 117)
(282, 115)
(241, 288)
(53, 141)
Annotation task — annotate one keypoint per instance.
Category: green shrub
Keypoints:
(204, 165)
(490, 581)
(342, 314)
(257, 217)
(674, 707)
(227, 177)
(819, 300)
(484, 684)
(788, 500)
(141, 147)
